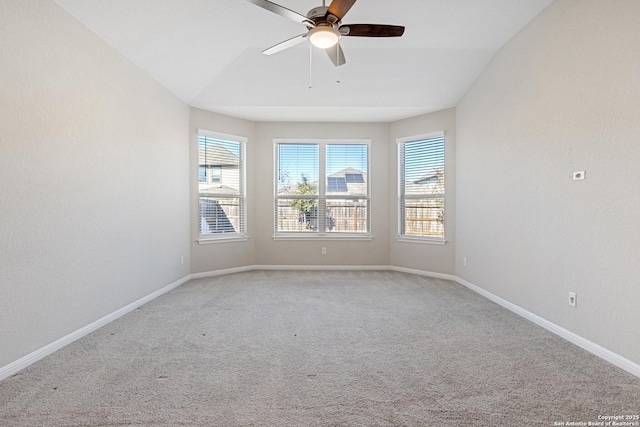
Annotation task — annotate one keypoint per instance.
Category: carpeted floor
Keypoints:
(302, 348)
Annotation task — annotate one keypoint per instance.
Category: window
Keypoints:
(221, 186)
(210, 174)
(322, 189)
(421, 187)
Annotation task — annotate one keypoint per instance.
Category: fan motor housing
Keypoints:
(318, 15)
(317, 12)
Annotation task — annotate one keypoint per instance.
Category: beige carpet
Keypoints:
(272, 348)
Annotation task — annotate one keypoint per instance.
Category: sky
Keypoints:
(297, 160)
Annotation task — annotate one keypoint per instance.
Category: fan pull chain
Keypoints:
(338, 64)
(310, 66)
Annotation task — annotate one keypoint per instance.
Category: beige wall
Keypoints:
(94, 178)
(434, 258)
(562, 96)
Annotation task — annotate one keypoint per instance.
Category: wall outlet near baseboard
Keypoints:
(324, 251)
(182, 259)
(573, 302)
(464, 261)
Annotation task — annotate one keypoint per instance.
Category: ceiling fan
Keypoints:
(324, 27)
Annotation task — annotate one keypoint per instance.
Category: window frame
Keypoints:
(242, 190)
(322, 195)
(401, 236)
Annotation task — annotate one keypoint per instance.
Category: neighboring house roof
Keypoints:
(217, 155)
(347, 182)
(429, 179)
(343, 172)
(216, 189)
(431, 183)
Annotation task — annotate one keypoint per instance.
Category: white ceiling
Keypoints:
(208, 53)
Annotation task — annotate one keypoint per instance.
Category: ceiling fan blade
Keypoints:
(285, 44)
(336, 55)
(339, 8)
(281, 10)
(371, 30)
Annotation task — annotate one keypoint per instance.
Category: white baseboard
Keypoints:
(591, 347)
(214, 273)
(23, 362)
(424, 273)
(323, 267)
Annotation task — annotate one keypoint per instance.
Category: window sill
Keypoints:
(318, 236)
(227, 239)
(422, 240)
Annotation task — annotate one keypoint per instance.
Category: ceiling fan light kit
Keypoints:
(324, 36)
(325, 29)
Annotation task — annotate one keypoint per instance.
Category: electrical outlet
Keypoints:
(324, 251)
(579, 175)
(464, 261)
(182, 259)
(573, 302)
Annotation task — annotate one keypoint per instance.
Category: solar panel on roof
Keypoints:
(354, 177)
(336, 184)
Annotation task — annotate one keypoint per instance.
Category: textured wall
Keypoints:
(562, 96)
(94, 167)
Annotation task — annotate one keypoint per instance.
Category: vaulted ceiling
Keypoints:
(208, 53)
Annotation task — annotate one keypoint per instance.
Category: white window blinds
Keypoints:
(422, 187)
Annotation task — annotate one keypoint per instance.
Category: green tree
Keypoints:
(307, 207)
